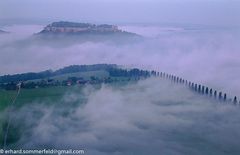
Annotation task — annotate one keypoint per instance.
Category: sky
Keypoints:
(204, 12)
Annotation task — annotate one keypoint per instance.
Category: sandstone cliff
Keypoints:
(75, 28)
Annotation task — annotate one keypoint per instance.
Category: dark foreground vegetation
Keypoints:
(73, 75)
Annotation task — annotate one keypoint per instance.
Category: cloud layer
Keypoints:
(199, 54)
(152, 116)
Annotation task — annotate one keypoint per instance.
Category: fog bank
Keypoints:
(202, 55)
(151, 117)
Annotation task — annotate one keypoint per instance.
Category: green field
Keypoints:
(85, 75)
(51, 94)
(54, 93)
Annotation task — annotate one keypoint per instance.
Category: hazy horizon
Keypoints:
(218, 13)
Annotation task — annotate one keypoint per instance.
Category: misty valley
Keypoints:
(81, 100)
(106, 86)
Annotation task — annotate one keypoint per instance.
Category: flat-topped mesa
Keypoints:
(71, 27)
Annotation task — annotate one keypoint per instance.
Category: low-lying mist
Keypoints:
(206, 56)
(152, 116)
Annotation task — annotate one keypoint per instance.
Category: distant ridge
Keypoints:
(64, 27)
(71, 32)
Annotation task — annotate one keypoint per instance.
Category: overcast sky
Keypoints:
(205, 12)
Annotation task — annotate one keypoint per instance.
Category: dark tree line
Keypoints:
(117, 72)
(83, 68)
(25, 76)
(46, 78)
(49, 73)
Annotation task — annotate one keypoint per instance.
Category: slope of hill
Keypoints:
(95, 75)
(71, 32)
(52, 85)
(60, 72)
